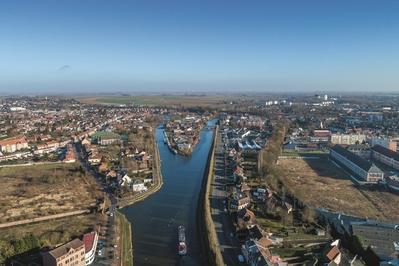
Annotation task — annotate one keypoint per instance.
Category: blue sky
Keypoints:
(109, 46)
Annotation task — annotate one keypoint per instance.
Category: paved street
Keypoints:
(229, 245)
(107, 236)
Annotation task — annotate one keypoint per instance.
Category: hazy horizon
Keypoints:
(88, 47)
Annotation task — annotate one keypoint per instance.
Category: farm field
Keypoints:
(33, 191)
(321, 184)
(158, 100)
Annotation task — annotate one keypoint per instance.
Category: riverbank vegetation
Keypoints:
(209, 224)
(125, 244)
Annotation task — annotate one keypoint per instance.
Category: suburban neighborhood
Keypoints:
(292, 180)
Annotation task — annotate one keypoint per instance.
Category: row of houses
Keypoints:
(257, 242)
(13, 144)
(18, 143)
(18, 148)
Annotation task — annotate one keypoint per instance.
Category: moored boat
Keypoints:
(182, 249)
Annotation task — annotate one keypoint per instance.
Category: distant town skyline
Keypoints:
(205, 46)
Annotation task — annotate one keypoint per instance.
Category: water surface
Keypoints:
(155, 220)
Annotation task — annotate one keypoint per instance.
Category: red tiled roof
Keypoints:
(321, 133)
(88, 240)
(333, 253)
(12, 141)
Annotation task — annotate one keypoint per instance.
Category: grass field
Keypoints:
(319, 183)
(158, 100)
(32, 191)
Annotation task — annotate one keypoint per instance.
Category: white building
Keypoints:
(347, 139)
(126, 180)
(90, 240)
(138, 186)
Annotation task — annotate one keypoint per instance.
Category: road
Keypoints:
(229, 245)
(107, 234)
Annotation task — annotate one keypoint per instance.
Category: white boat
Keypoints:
(182, 249)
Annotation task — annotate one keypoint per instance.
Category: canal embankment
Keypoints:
(206, 226)
(156, 219)
(125, 240)
(125, 227)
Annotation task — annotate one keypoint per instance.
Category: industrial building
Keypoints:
(381, 237)
(360, 168)
(386, 156)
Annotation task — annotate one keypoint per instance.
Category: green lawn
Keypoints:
(126, 235)
(273, 226)
(292, 252)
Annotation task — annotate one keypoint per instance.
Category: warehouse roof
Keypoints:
(359, 161)
(387, 152)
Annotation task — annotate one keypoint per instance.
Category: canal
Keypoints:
(155, 220)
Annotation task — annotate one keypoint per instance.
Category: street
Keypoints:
(229, 245)
(106, 253)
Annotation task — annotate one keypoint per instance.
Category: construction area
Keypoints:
(319, 183)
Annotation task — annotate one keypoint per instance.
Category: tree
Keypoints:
(6, 251)
(25, 244)
(286, 218)
(309, 215)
